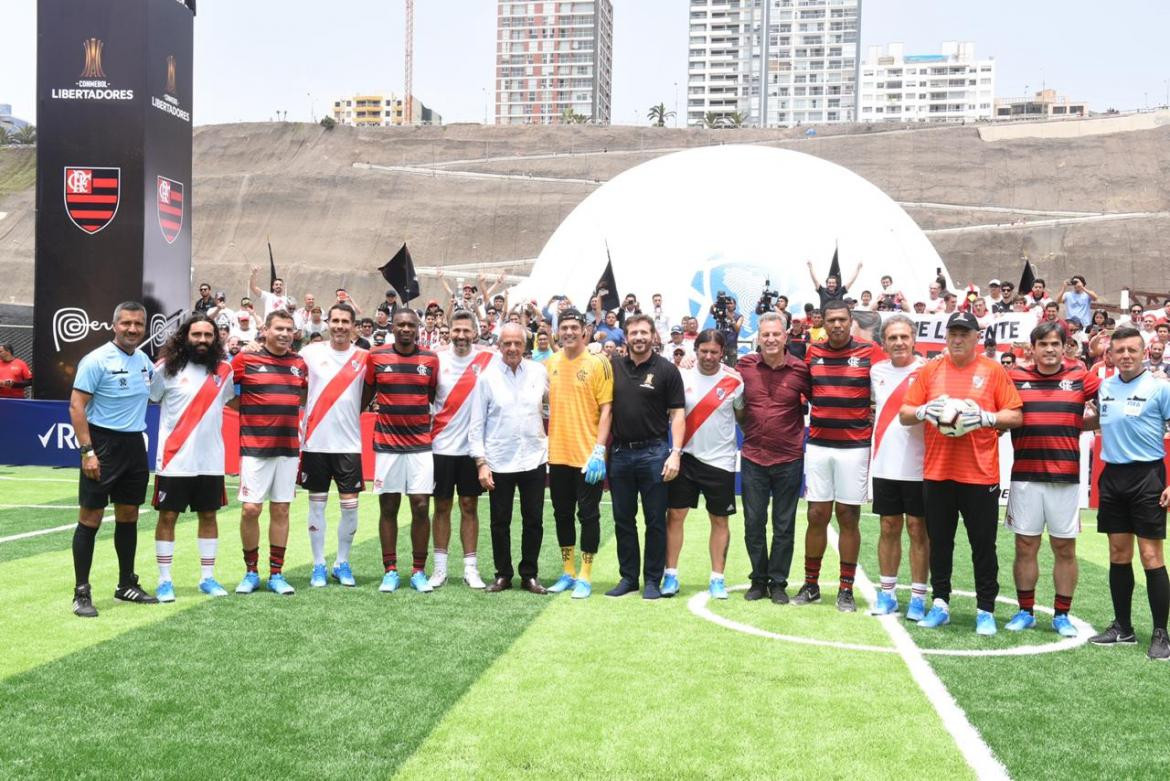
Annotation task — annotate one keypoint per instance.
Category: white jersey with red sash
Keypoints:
(332, 421)
(710, 432)
(190, 428)
(457, 379)
(898, 450)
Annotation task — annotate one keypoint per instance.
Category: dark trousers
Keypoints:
(779, 483)
(531, 485)
(571, 495)
(634, 473)
(979, 505)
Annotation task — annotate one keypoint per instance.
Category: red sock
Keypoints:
(812, 570)
(389, 561)
(1027, 600)
(848, 572)
(419, 563)
(275, 559)
(1062, 604)
(251, 556)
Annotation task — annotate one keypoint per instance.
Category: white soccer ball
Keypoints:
(950, 422)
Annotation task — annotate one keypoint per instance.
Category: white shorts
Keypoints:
(268, 479)
(836, 474)
(1032, 506)
(404, 473)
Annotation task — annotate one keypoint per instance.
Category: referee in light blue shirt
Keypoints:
(1132, 492)
(108, 412)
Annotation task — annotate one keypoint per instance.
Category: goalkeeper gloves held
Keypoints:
(594, 468)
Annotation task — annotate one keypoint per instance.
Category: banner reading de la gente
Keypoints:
(114, 85)
(931, 330)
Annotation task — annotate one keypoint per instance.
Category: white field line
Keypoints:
(39, 532)
(968, 740)
(418, 171)
(38, 506)
(961, 207)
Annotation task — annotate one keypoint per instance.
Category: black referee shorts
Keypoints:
(318, 470)
(124, 471)
(898, 497)
(456, 472)
(694, 477)
(200, 493)
(1128, 496)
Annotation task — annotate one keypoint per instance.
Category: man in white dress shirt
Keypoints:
(510, 448)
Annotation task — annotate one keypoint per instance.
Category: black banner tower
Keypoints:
(113, 175)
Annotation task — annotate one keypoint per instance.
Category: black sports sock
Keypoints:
(125, 544)
(83, 540)
(1121, 589)
(1158, 588)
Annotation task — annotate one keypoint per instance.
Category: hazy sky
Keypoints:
(254, 57)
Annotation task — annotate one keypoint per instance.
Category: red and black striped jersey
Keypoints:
(404, 387)
(839, 409)
(271, 394)
(1047, 445)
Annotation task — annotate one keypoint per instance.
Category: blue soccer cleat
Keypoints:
(939, 615)
(717, 588)
(420, 583)
(564, 583)
(278, 585)
(343, 574)
(917, 609)
(669, 586)
(985, 623)
(166, 591)
(211, 587)
(581, 590)
(1020, 621)
(389, 582)
(249, 584)
(1063, 626)
(886, 604)
(319, 578)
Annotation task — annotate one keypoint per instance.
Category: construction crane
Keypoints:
(408, 96)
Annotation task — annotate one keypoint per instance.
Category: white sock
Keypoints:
(469, 561)
(317, 526)
(207, 546)
(164, 553)
(347, 528)
(716, 575)
(671, 571)
(440, 561)
(888, 583)
(943, 604)
(918, 589)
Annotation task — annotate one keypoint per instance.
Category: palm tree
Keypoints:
(658, 115)
(5, 136)
(735, 119)
(26, 135)
(711, 120)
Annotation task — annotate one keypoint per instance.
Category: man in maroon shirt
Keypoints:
(771, 414)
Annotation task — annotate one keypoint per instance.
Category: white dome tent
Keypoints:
(692, 223)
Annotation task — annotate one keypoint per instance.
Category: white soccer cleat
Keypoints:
(438, 579)
(472, 579)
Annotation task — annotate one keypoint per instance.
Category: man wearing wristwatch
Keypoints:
(108, 411)
(648, 399)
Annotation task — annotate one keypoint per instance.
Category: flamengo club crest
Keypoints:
(170, 207)
(92, 195)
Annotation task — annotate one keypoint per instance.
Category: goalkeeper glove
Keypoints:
(931, 410)
(594, 468)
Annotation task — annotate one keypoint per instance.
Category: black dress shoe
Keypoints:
(779, 595)
(651, 591)
(499, 584)
(622, 588)
(532, 586)
(757, 591)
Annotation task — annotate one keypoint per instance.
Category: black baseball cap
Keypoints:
(571, 314)
(392, 292)
(963, 320)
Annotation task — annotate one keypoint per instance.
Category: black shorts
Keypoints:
(200, 493)
(318, 470)
(898, 497)
(124, 470)
(456, 472)
(1128, 496)
(694, 477)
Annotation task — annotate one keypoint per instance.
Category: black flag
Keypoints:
(835, 266)
(607, 285)
(271, 266)
(1027, 278)
(399, 272)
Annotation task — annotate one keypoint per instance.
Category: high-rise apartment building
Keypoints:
(807, 61)
(952, 86)
(554, 61)
(380, 109)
